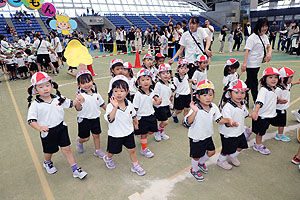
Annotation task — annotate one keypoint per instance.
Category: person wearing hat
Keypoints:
(10, 65)
(159, 59)
(147, 64)
(265, 108)
(116, 68)
(283, 91)
(121, 117)
(200, 74)
(234, 105)
(200, 120)
(128, 73)
(230, 69)
(46, 115)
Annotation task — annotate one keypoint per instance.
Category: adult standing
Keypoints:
(123, 38)
(210, 32)
(138, 39)
(3, 44)
(55, 43)
(118, 39)
(237, 37)
(131, 37)
(178, 33)
(247, 31)
(223, 35)
(192, 42)
(273, 32)
(43, 47)
(282, 37)
(257, 50)
(184, 27)
(170, 33)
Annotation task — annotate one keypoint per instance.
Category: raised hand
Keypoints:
(193, 106)
(114, 102)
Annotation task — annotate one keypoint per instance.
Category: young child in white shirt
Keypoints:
(116, 68)
(21, 66)
(200, 119)
(121, 117)
(128, 72)
(200, 74)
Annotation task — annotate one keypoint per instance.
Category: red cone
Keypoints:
(90, 68)
(137, 60)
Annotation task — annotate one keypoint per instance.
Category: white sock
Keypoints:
(203, 159)
(174, 114)
(195, 165)
(222, 158)
(235, 154)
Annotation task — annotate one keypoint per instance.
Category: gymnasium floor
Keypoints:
(259, 176)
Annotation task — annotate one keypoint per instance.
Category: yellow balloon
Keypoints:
(76, 54)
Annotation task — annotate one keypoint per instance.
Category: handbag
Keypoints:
(265, 52)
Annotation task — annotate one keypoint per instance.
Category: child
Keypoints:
(32, 63)
(54, 60)
(128, 73)
(159, 59)
(143, 103)
(283, 91)
(182, 98)
(116, 68)
(147, 64)
(21, 66)
(201, 72)
(233, 138)
(46, 114)
(119, 114)
(230, 73)
(163, 40)
(200, 119)
(265, 108)
(230, 40)
(89, 112)
(164, 91)
(10, 65)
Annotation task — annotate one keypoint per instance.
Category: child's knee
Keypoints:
(96, 136)
(66, 149)
(165, 123)
(131, 151)
(211, 153)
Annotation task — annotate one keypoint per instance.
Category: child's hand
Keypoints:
(43, 129)
(281, 101)
(193, 106)
(233, 123)
(254, 116)
(136, 126)
(114, 102)
(79, 98)
(158, 101)
(244, 67)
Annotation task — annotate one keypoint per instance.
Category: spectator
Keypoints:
(138, 39)
(210, 31)
(282, 37)
(170, 33)
(237, 37)
(222, 39)
(247, 31)
(273, 32)
(123, 38)
(118, 39)
(184, 27)
(131, 37)
(178, 33)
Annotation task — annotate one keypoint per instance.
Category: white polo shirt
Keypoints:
(283, 93)
(54, 41)
(199, 76)
(182, 87)
(143, 103)
(178, 36)
(132, 87)
(10, 61)
(256, 53)
(21, 42)
(227, 79)
(91, 106)
(122, 124)
(48, 114)
(43, 49)
(163, 91)
(32, 59)
(267, 98)
(202, 127)
(238, 114)
(209, 33)
(191, 48)
(20, 61)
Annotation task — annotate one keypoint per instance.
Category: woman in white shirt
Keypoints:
(257, 50)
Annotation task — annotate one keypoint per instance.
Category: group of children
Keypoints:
(141, 106)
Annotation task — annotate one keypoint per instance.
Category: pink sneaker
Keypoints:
(261, 149)
(224, 165)
(234, 161)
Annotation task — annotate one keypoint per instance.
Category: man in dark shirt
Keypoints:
(273, 31)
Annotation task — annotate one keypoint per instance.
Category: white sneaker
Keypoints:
(164, 136)
(296, 114)
(50, 167)
(157, 136)
(79, 173)
(147, 153)
(99, 153)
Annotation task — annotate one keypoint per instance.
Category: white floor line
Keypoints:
(161, 189)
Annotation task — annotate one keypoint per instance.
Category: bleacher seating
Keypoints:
(118, 20)
(44, 19)
(2, 29)
(22, 26)
(165, 19)
(177, 18)
(137, 21)
(153, 20)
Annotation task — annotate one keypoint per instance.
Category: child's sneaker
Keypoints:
(248, 132)
(79, 173)
(197, 175)
(50, 167)
(164, 136)
(185, 124)
(296, 160)
(99, 153)
(175, 119)
(234, 161)
(138, 170)
(282, 138)
(224, 164)
(296, 113)
(157, 136)
(147, 153)
(79, 146)
(261, 149)
(109, 162)
(203, 168)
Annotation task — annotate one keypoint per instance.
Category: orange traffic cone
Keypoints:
(90, 68)
(137, 60)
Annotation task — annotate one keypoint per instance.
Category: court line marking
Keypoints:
(41, 175)
(181, 172)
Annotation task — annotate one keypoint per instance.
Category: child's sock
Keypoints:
(144, 143)
(174, 114)
(74, 167)
(203, 159)
(235, 154)
(160, 129)
(47, 162)
(195, 165)
(222, 158)
(134, 163)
